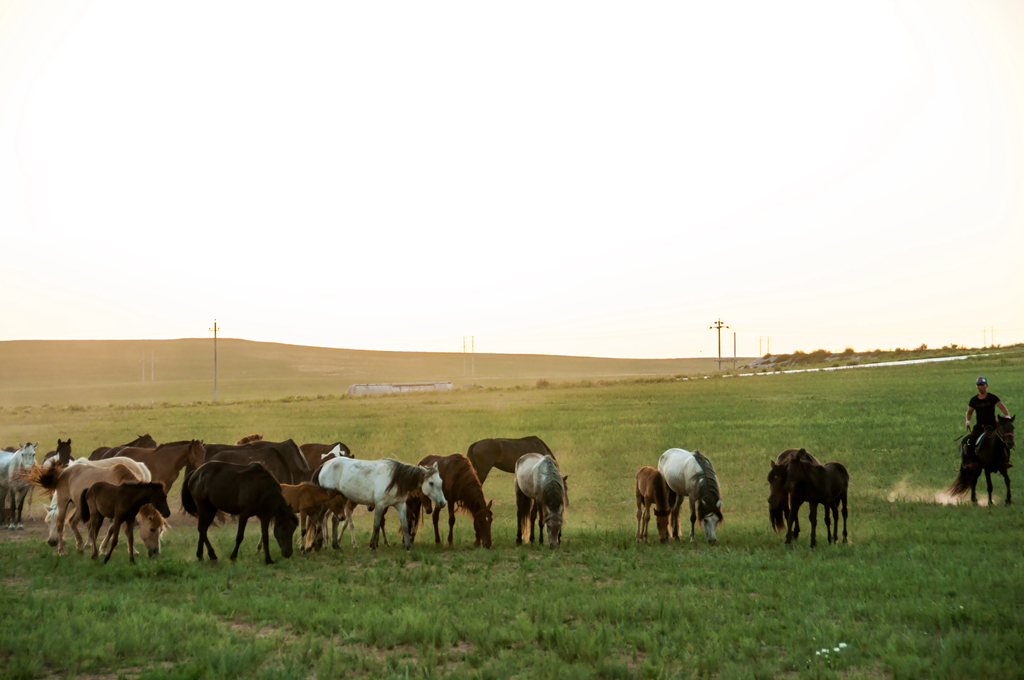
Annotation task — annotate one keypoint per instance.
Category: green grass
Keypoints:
(922, 590)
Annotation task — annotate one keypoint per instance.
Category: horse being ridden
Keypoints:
(809, 481)
(540, 489)
(463, 491)
(13, 466)
(382, 484)
(121, 503)
(992, 454)
(651, 489)
(691, 475)
(243, 490)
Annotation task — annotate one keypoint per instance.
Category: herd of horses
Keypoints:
(290, 487)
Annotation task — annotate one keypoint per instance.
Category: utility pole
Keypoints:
(214, 329)
(768, 345)
(734, 350)
(152, 365)
(472, 361)
(719, 325)
(463, 356)
(143, 365)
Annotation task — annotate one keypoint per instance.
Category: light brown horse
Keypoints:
(142, 441)
(167, 460)
(651, 489)
(68, 484)
(463, 491)
(308, 500)
(121, 503)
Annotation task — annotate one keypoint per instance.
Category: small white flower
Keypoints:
(837, 649)
(842, 645)
(817, 654)
(961, 606)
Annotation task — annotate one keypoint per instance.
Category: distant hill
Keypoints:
(85, 372)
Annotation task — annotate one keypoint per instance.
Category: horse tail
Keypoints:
(965, 479)
(44, 477)
(188, 504)
(315, 478)
(83, 505)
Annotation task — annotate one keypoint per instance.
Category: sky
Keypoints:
(579, 178)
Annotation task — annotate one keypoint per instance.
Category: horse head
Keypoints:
(196, 453)
(482, 520)
(285, 523)
(152, 526)
(431, 486)
(1004, 429)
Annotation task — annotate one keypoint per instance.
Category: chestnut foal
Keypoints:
(121, 503)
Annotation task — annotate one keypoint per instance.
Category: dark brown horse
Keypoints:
(809, 481)
(276, 463)
(61, 455)
(991, 455)
(121, 503)
(289, 452)
(503, 454)
(316, 454)
(246, 491)
(463, 491)
(141, 442)
(167, 460)
(651, 489)
(778, 498)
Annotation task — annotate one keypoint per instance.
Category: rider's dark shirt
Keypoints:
(985, 409)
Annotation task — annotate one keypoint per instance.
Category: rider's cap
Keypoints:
(982, 380)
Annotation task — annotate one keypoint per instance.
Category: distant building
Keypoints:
(390, 388)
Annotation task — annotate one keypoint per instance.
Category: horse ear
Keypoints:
(719, 503)
(490, 504)
(772, 462)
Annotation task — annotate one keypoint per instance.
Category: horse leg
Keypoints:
(435, 516)
(693, 516)
(829, 510)
(378, 517)
(116, 526)
(1006, 478)
(79, 541)
(94, 530)
(21, 505)
(334, 532)
(814, 523)
(206, 517)
(988, 483)
(451, 523)
(242, 519)
(403, 521)
(535, 511)
(265, 532)
(639, 513)
(522, 513)
(674, 516)
(844, 518)
(794, 509)
(130, 531)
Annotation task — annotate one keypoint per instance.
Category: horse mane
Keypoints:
(710, 494)
(249, 438)
(464, 481)
(122, 474)
(405, 478)
(660, 491)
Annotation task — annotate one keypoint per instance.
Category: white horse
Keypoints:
(691, 475)
(540, 488)
(11, 466)
(382, 484)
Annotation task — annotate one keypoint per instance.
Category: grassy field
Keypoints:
(922, 590)
(96, 372)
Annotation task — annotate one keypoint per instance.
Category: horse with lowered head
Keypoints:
(463, 491)
(691, 475)
(121, 503)
(243, 490)
(778, 498)
(651, 489)
(809, 481)
(381, 484)
(540, 492)
(991, 455)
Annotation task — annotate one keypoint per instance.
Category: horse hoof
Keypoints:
(21, 527)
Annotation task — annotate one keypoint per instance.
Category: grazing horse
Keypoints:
(67, 484)
(121, 503)
(991, 455)
(243, 490)
(503, 454)
(691, 475)
(310, 501)
(778, 497)
(463, 491)
(382, 484)
(282, 467)
(13, 465)
(540, 489)
(167, 460)
(142, 442)
(810, 481)
(651, 489)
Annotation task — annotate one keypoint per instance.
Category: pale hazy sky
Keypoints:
(586, 178)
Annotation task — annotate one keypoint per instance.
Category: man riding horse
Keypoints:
(984, 404)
